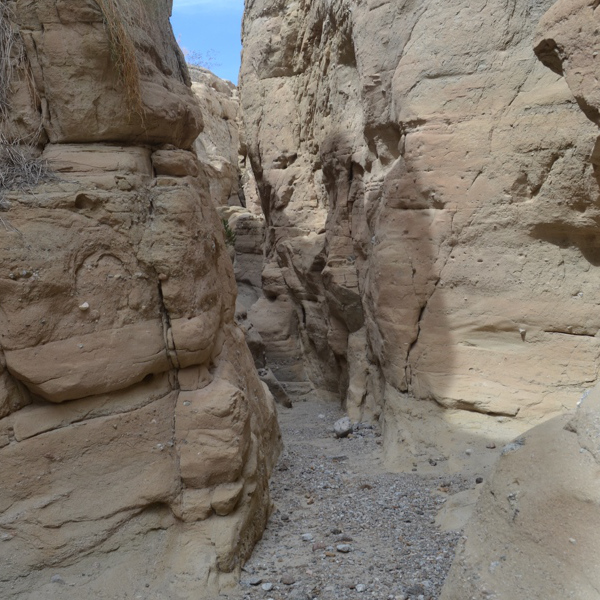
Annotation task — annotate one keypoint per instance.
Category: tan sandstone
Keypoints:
(534, 529)
(431, 214)
(136, 438)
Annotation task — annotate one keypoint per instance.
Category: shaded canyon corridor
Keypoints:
(393, 220)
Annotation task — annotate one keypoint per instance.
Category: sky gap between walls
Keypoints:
(212, 30)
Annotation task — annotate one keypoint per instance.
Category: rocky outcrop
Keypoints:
(533, 530)
(135, 437)
(218, 144)
(431, 216)
(534, 527)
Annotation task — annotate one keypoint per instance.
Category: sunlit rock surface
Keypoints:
(431, 212)
(136, 439)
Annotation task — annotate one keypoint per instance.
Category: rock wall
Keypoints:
(218, 144)
(136, 439)
(533, 530)
(432, 217)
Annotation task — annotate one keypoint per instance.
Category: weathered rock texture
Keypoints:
(432, 217)
(136, 439)
(218, 144)
(222, 151)
(534, 530)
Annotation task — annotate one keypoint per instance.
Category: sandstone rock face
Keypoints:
(534, 531)
(222, 150)
(218, 144)
(431, 213)
(73, 103)
(136, 439)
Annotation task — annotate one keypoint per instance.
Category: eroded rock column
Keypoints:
(136, 439)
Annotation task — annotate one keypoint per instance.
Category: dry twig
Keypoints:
(11, 54)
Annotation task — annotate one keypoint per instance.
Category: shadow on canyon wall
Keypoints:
(437, 164)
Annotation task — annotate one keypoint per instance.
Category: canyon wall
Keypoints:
(431, 211)
(221, 149)
(534, 528)
(136, 439)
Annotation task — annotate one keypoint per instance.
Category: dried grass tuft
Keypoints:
(11, 54)
(20, 168)
(120, 17)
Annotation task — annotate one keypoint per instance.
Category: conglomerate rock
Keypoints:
(136, 439)
(432, 220)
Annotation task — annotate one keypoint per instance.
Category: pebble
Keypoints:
(386, 520)
(342, 427)
(415, 591)
(57, 579)
(267, 587)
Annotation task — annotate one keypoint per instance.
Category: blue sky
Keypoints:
(211, 27)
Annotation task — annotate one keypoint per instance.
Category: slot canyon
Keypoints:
(332, 333)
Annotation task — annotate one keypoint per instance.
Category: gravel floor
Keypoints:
(344, 527)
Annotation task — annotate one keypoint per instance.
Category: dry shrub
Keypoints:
(11, 54)
(120, 19)
(20, 168)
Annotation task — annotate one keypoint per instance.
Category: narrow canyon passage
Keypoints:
(343, 526)
(396, 212)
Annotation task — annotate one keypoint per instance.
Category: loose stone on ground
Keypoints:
(344, 527)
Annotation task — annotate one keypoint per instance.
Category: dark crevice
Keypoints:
(566, 332)
(167, 330)
(414, 342)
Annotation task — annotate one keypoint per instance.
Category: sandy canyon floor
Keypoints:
(344, 526)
